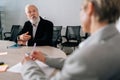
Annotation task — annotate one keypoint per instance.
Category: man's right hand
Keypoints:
(38, 55)
(23, 43)
(25, 37)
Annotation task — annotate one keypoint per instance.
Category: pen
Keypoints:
(33, 47)
(28, 54)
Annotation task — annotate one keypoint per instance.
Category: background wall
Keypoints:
(118, 25)
(60, 12)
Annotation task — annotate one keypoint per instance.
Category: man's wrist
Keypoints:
(44, 59)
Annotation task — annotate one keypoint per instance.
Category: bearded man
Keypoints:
(36, 29)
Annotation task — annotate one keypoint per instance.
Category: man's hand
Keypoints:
(38, 55)
(20, 42)
(26, 59)
(24, 37)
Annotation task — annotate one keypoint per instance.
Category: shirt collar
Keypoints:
(35, 25)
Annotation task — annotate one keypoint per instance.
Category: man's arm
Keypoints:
(23, 36)
(55, 62)
(31, 71)
(75, 68)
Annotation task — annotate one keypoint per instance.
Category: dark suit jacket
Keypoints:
(43, 34)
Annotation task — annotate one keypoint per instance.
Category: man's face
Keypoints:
(32, 14)
(85, 18)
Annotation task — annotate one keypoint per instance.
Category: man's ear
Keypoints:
(90, 8)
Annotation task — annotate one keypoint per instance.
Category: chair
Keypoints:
(1, 29)
(72, 37)
(85, 36)
(12, 35)
(115, 76)
(56, 35)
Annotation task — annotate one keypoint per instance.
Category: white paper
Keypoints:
(16, 68)
(3, 53)
(46, 69)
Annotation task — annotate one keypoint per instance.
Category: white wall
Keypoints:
(60, 12)
(118, 25)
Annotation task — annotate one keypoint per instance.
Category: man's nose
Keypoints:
(32, 13)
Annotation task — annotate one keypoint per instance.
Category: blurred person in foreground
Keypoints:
(36, 29)
(98, 57)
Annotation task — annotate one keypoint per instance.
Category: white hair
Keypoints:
(30, 5)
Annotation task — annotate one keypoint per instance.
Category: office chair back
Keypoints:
(56, 35)
(14, 32)
(73, 33)
(72, 36)
(115, 76)
(1, 29)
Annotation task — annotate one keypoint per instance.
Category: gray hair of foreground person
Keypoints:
(106, 10)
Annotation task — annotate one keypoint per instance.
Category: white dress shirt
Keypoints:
(35, 27)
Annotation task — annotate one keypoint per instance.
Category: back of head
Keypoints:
(106, 10)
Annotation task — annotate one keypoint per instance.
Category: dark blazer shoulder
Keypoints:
(28, 23)
(46, 21)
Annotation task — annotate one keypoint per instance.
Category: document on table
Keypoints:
(46, 69)
(3, 53)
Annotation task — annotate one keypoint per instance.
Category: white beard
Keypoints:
(34, 21)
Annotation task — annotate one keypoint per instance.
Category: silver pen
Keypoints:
(28, 54)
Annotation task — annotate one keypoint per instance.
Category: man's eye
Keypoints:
(34, 10)
(29, 12)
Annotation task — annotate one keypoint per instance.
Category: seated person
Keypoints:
(36, 30)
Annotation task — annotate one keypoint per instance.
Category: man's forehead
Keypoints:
(28, 7)
(32, 7)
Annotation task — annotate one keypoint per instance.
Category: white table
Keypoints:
(15, 55)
